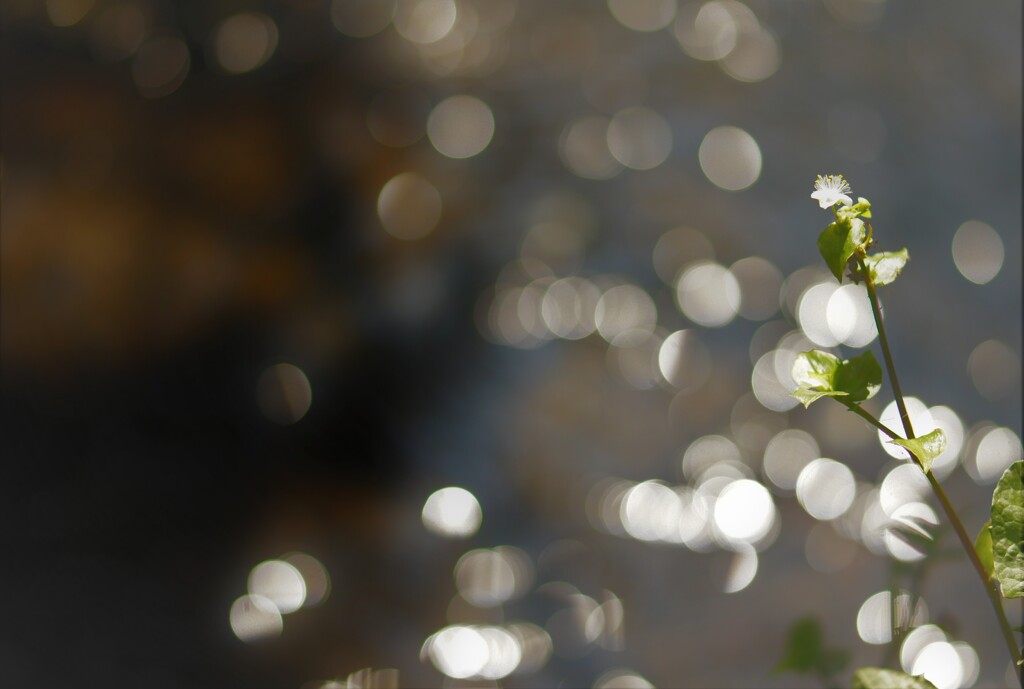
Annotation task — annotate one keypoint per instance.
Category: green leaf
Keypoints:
(806, 654)
(815, 369)
(983, 546)
(820, 374)
(926, 448)
(860, 377)
(840, 241)
(1007, 530)
(880, 678)
(803, 647)
(885, 267)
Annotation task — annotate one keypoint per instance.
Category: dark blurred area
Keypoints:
(274, 274)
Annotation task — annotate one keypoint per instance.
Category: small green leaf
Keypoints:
(926, 448)
(806, 654)
(860, 377)
(885, 267)
(1007, 530)
(983, 546)
(840, 241)
(820, 374)
(880, 678)
(815, 369)
(803, 647)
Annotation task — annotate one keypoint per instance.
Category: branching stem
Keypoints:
(965, 540)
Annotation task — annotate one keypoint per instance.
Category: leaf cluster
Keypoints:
(820, 374)
(846, 242)
(844, 246)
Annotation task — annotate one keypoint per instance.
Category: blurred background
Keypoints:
(374, 343)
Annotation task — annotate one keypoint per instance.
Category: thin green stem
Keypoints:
(958, 527)
(856, 409)
(886, 354)
(965, 540)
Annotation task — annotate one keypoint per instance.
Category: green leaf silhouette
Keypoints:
(926, 448)
(885, 267)
(820, 374)
(860, 377)
(806, 654)
(841, 240)
(1007, 530)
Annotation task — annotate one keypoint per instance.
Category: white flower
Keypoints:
(830, 190)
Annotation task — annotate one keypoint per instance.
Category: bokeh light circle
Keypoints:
(786, 455)
(744, 511)
(766, 386)
(284, 393)
(812, 313)
(253, 618)
(244, 41)
(708, 294)
(978, 252)
(755, 56)
(460, 126)
(826, 488)
(583, 148)
(639, 138)
(684, 360)
(994, 368)
(625, 314)
(409, 206)
(940, 664)
(279, 582)
(160, 66)
(994, 451)
(452, 512)
(730, 158)
(643, 15)
(425, 21)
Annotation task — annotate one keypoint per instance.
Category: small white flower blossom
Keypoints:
(830, 190)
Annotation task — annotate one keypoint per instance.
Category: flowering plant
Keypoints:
(995, 555)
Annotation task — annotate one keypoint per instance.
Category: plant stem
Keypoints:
(958, 527)
(965, 540)
(886, 354)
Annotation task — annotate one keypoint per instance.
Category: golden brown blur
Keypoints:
(447, 343)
